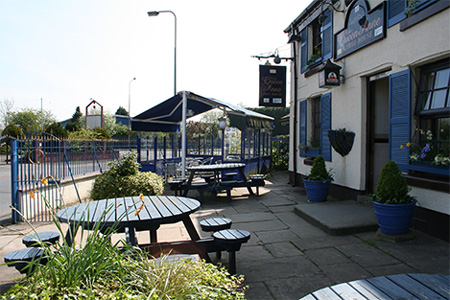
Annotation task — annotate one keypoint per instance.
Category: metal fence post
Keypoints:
(14, 181)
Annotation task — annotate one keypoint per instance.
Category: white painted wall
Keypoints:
(423, 43)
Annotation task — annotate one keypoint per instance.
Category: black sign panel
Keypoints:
(363, 27)
(272, 85)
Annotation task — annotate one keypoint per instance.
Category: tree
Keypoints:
(76, 117)
(122, 111)
(75, 123)
(57, 130)
(6, 107)
(30, 120)
(12, 130)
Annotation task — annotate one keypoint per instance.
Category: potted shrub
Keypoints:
(394, 207)
(317, 183)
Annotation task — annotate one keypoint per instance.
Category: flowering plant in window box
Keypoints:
(429, 151)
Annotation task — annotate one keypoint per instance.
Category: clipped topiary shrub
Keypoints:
(125, 179)
(392, 187)
(319, 170)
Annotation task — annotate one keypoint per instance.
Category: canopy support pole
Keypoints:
(183, 136)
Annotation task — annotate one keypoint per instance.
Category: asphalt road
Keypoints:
(5, 193)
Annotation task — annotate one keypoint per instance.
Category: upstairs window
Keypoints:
(317, 41)
(399, 9)
(434, 90)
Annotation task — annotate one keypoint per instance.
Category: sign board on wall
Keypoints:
(329, 75)
(363, 27)
(272, 85)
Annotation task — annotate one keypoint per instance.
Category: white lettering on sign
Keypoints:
(379, 31)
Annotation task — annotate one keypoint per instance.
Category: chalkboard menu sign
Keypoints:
(363, 27)
(272, 85)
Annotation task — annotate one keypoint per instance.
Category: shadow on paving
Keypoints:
(287, 257)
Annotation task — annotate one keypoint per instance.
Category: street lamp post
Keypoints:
(154, 14)
(129, 110)
(184, 101)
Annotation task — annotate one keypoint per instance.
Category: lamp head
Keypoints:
(277, 59)
(153, 13)
(223, 122)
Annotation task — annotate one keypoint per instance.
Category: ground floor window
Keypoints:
(314, 141)
(432, 116)
(315, 122)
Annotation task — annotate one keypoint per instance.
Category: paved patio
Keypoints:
(287, 257)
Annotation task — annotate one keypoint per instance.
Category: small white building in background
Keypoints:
(379, 69)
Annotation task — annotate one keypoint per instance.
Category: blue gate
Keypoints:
(40, 163)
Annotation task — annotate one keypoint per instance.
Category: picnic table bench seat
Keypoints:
(227, 186)
(229, 175)
(231, 240)
(37, 239)
(208, 177)
(215, 224)
(199, 186)
(20, 259)
(175, 184)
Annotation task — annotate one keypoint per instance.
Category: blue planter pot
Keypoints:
(394, 219)
(317, 190)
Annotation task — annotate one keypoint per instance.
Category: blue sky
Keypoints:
(67, 52)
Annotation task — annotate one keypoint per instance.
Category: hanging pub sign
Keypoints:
(272, 85)
(362, 27)
(329, 75)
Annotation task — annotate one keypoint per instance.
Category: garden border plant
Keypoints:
(124, 179)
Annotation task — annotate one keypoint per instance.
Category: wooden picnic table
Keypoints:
(217, 169)
(402, 286)
(131, 213)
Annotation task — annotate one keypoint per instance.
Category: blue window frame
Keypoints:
(398, 9)
(434, 124)
(324, 148)
(316, 41)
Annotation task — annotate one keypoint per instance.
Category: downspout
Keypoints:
(294, 138)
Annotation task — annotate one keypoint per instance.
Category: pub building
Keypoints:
(370, 83)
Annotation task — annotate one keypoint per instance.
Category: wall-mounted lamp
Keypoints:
(276, 57)
(334, 5)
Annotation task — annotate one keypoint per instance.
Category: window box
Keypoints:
(429, 168)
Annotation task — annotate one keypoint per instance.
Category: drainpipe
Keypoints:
(294, 138)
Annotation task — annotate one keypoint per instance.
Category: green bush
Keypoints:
(280, 153)
(12, 130)
(125, 179)
(319, 170)
(392, 187)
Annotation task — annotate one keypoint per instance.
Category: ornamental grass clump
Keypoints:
(319, 170)
(392, 187)
(124, 179)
